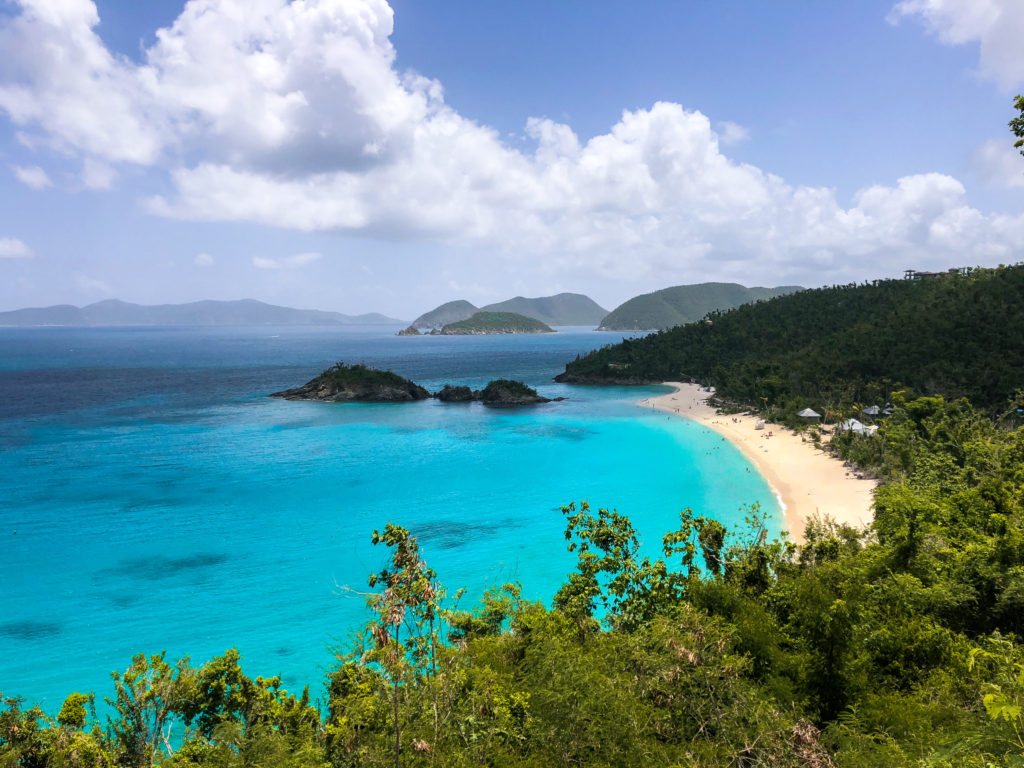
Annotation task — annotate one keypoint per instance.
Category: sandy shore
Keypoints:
(807, 480)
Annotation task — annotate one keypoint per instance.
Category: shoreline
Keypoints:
(806, 480)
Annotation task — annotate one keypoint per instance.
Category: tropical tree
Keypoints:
(1017, 124)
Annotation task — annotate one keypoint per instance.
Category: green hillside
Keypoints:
(562, 309)
(483, 323)
(681, 304)
(450, 312)
(956, 335)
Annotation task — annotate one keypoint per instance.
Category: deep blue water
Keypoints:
(152, 497)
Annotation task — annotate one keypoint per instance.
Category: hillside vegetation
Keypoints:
(955, 335)
(681, 304)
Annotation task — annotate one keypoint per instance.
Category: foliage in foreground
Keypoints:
(889, 647)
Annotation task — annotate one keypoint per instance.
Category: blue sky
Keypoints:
(355, 156)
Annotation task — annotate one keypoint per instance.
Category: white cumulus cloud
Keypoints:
(203, 260)
(293, 114)
(12, 248)
(997, 25)
(32, 176)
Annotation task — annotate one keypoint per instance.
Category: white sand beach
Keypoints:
(807, 480)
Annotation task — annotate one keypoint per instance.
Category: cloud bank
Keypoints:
(997, 25)
(293, 115)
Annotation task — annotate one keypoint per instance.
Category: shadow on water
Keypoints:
(557, 432)
(450, 534)
(160, 567)
(29, 630)
(126, 600)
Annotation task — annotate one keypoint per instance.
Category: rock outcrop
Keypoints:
(356, 383)
(508, 392)
(458, 394)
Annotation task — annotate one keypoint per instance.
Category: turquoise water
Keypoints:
(154, 498)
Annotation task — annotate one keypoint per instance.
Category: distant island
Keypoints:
(113, 312)
(561, 309)
(343, 383)
(683, 304)
(659, 310)
(484, 324)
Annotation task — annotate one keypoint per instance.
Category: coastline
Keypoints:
(806, 480)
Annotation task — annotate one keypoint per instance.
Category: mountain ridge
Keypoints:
(115, 312)
(681, 304)
(558, 309)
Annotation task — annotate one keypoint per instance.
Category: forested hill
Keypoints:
(954, 334)
(681, 304)
(562, 309)
(449, 312)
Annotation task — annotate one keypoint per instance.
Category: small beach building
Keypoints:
(809, 416)
(872, 410)
(852, 425)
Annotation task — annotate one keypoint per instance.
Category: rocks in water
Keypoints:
(412, 330)
(498, 392)
(508, 392)
(356, 383)
(459, 394)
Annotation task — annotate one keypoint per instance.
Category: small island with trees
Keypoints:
(486, 323)
(356, 383)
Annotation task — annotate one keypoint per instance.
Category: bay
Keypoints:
(153, 498)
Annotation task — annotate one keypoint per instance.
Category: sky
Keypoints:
(356, 156)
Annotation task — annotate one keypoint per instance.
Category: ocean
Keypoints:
(152, 497)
